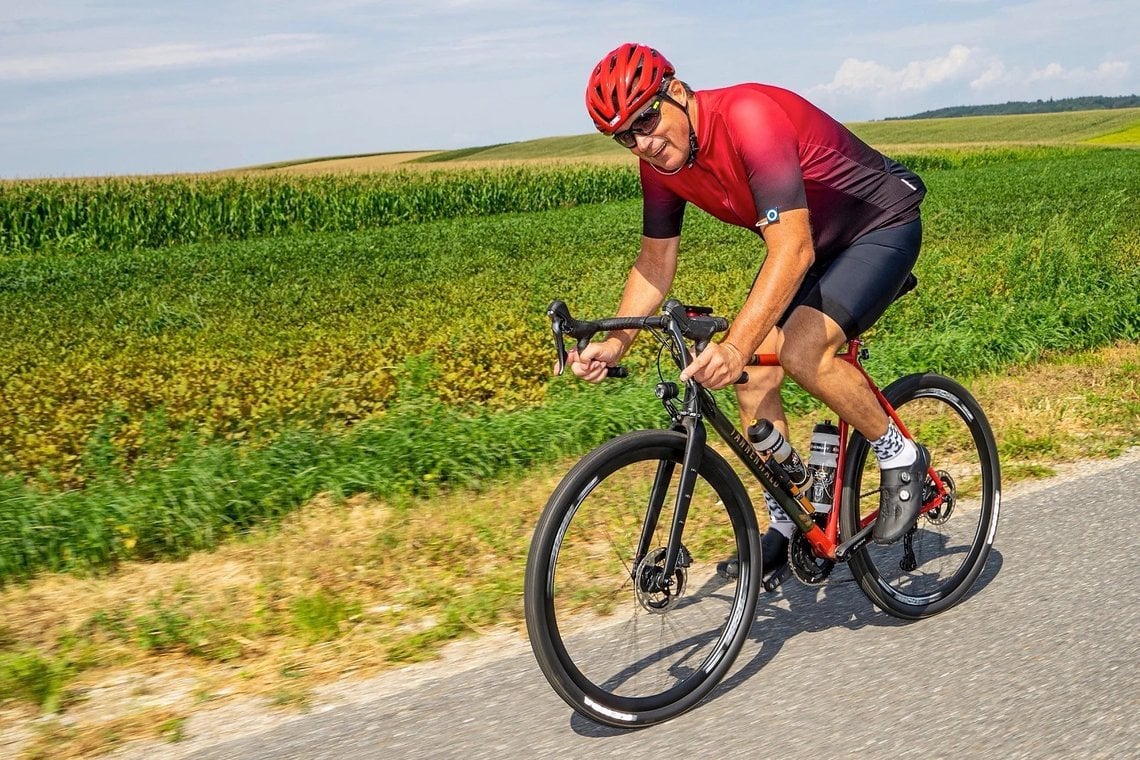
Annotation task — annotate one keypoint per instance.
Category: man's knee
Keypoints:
(801, 362)
(814, 338)
(763, 379)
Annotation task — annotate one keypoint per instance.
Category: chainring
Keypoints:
(808, 568)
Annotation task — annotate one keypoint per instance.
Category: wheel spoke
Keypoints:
(941, 557)
(605, 635)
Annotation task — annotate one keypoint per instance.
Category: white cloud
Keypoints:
(982, 71)
(856, 76)
(998, 76)
(102, 63)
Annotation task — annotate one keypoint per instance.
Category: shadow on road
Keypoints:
(794, 609)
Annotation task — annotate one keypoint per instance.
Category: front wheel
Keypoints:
(935, 564)
(621, 642)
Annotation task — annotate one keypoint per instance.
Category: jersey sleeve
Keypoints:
(662, 210)
(766, 141)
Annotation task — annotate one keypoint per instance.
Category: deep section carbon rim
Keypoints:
(934, 566)
(614, 640)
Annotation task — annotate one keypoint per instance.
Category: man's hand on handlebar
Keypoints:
(592, 364)
(718, 366)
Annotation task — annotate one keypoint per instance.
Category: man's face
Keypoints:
(666, 145)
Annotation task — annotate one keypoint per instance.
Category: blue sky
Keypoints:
(125, 86)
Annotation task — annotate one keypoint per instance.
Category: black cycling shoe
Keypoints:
(774, 550)
(900, 498)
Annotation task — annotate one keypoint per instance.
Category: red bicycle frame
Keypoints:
(825, 540)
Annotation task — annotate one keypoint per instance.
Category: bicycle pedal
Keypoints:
(774, 579)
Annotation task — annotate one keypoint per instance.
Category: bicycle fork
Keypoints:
(695, 438)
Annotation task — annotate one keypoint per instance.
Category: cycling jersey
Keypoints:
(765, 150)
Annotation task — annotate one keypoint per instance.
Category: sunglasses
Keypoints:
(645, 124)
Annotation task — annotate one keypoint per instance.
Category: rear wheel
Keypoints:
(620, 642)
(935, 564)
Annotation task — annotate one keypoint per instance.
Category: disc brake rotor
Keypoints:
(942, 512)
(653, 593)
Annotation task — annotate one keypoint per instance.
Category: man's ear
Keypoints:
(678, 92)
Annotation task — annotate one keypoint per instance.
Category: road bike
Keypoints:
(627, 615)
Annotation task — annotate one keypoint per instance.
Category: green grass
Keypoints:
(318, 616)
(32, 677)
(168, 383)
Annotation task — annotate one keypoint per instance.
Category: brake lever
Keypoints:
(559, 320)
(558, 313)
(559, 345)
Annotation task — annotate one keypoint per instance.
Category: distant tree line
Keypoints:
(1088, 103)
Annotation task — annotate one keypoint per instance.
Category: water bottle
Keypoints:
(768, 441)
(822, 462)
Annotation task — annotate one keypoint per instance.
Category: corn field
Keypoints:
(155, 399)
(122, 213)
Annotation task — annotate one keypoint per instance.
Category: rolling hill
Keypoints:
(1117, 127)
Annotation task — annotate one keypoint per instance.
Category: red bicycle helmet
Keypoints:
(623, 81)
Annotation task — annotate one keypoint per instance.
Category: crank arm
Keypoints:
(844, 551)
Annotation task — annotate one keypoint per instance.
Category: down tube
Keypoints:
(751, 459)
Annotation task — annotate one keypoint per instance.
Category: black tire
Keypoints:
(619, 655)
(950, 545)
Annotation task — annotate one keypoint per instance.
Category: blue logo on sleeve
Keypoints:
(771, 216)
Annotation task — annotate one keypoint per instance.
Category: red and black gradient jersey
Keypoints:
(765, 150)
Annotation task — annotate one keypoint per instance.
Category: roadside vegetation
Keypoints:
(159, 401)
(285, 453)
(350, 587)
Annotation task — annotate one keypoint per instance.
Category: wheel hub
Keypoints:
(942, 512)
(655, 592)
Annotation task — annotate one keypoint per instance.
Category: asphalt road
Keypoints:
(1041, 660)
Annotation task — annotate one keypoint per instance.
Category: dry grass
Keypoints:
(379, 162)
(404, 162)
(403, 578)
(64, 740)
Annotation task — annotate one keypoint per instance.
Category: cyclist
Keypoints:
(841, 225)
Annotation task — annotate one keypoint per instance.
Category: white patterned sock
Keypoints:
(777, 517)
(893, 450)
